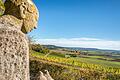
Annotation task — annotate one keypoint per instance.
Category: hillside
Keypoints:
(79, 48)
(62, 68)
(96, 65)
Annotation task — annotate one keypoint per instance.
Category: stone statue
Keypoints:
(14, 51)
(47, 75)
(24, 10)
(40, 76)
(20, 17)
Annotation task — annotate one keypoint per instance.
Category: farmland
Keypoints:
(92, 62)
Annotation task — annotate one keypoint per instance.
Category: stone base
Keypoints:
(14, 54)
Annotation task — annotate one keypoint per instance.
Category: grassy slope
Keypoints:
(65, 72)
(87, 63)
(91, 60)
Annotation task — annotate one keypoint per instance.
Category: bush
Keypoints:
(39, 48)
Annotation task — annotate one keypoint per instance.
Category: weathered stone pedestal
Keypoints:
(18, 18)
(14, 53)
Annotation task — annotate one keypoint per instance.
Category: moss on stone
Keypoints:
(2, 8)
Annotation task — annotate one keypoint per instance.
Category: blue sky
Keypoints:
(94, 20)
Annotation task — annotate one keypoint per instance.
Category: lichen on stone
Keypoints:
(24, 10)
(11, 20)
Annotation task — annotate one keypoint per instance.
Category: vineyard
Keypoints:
(79, 62)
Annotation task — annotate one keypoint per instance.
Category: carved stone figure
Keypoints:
(47, 75)
(20, 17)
(40, 76)
(24, 10)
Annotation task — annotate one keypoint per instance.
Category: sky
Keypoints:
(79, 23)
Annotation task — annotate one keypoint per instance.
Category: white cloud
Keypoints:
(85, 39)
(82, 42)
